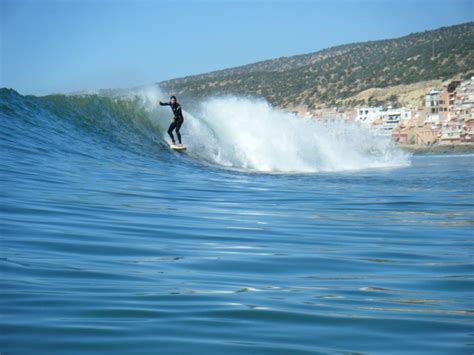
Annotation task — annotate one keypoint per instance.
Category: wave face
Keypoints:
(79, 123)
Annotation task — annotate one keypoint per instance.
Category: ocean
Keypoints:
(272, 235)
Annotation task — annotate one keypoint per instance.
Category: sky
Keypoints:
(50, 46)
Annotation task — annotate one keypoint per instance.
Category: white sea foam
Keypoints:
(150, 94)
(250, 134)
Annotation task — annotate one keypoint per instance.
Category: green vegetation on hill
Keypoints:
(332, 76)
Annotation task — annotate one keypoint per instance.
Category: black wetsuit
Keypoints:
(177, 120)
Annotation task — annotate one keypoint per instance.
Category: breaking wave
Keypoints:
(231, 132)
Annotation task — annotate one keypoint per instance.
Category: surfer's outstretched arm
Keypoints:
(165, 103)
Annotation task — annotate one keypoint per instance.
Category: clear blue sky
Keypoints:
(70, 45)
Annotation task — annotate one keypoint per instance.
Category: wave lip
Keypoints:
(250, 134)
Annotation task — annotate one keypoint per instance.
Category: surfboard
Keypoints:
(178, 148)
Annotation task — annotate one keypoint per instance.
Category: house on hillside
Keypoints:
(432, 108)
(393, 117)
(464, 109)
(367, 115)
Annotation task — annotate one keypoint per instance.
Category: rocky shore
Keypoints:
(439, 149)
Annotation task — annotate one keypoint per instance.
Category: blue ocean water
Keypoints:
(112, 243)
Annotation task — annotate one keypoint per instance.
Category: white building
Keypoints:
(464, 102)
(392, 118)
(450, 133)
(367, 114)
(432, 109)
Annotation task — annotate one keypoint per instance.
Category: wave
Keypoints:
(231, 132)
(125, 122)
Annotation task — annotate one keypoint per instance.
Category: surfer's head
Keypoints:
(173, 99)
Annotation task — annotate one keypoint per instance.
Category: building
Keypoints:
(432, 100)
(393, 117)
(367, 114)
(408, 129)
(464, 109)
(334, 114)
(450, 133)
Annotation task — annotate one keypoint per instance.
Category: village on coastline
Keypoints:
(445, 118)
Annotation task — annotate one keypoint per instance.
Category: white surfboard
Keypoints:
(178, 147)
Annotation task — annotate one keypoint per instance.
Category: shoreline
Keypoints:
(439, 149)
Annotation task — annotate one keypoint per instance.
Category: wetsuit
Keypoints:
(177, 120)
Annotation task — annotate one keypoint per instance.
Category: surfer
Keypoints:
(177, 119)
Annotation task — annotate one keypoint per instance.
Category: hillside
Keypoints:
(343, 75)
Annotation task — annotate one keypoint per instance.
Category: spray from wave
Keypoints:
(250, 134)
